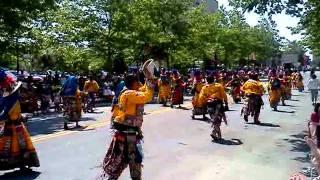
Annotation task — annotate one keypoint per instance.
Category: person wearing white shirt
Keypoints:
(313, 86)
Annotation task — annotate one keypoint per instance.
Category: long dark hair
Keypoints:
(316, 107)
(130, 79)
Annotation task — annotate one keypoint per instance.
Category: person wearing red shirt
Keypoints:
(314, 124)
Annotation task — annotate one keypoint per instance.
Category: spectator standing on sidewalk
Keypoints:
(313, 86)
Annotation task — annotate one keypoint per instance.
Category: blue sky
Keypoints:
(283, 21)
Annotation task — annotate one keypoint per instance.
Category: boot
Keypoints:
(256, 119)
(257, 122)
(245, 117)
(66, 126)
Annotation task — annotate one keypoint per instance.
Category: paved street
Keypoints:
(177, 147)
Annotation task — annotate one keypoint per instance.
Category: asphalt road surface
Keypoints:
(177, 147)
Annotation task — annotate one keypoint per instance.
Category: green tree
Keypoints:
(307, 10)
(85, 35)
(14, 18)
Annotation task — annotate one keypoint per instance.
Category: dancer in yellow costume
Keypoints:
(213, 95)
(164, 88)
(274, 88)
(299, 82)
(285, 88)
(253, 90)
(125, 148)
(198, 83)
(16, 148)
(71, 97)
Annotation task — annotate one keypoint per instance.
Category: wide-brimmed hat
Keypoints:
(8, 83)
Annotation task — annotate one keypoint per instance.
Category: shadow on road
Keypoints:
(281, 111)
(18, 175)
(298, 144)
(296, 95)
(231, 142)
(103, 104)
(207, 120)
(49, 125)
(81, 128)
(265, 124)
(95, 112)
(183, 108)
(231, 110)
(288, 105)
(188, 100)
(293, 100)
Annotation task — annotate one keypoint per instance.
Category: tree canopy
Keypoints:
(307, 10)
(14, 16)
(86, 35)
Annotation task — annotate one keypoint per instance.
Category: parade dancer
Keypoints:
(92, 88)
(274, 88)
(16, 147)
(125, 148)
(164, 88)
(294, 79)
(299, 82)
(288, 80)
(177, 89)
(285, 88)
(71, 97)
(213, 96)
(235, 85)
(253, 91)
(198, 109)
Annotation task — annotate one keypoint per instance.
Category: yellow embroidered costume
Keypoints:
(252, 87)
(213, 91)
(164, 90)
(16, 148)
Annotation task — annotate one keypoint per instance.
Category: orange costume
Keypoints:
(16, 148)
(285, 89)
(177, 91)
(253, 90)
(131, 103)
(212, 91)
(197, 86)
(274, 87)
(164, 90)
(91, 86)
(252, 87)
(299, 83)
(125, 148)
